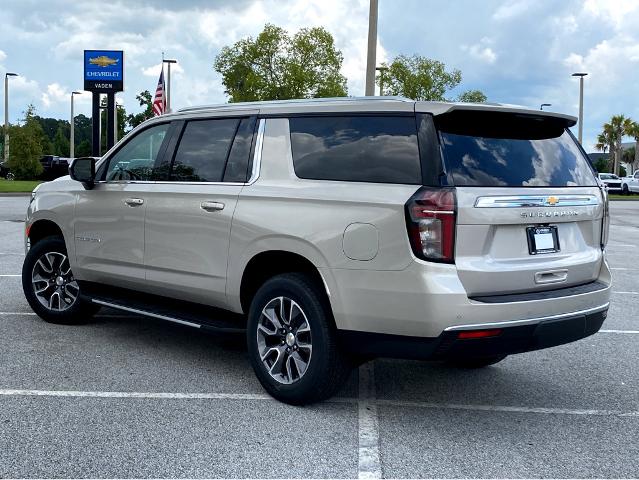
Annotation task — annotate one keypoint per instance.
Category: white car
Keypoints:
(612, 181)
(630, 184)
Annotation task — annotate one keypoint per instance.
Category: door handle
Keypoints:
(134, 202)
(212, 206)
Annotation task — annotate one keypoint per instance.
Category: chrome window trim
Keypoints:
(527, 321)
(519, 201)
(257, 155)
(255, 173)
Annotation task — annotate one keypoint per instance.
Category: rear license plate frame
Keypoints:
(538, 235)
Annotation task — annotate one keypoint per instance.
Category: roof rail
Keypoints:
(293, 101)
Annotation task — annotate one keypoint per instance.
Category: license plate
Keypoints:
(542, 240)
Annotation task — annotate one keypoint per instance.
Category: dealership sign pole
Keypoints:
(103, 73)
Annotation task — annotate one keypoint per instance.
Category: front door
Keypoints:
(109, 219)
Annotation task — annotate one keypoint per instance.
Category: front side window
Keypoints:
(136, 159)
(203, 150)
(378, 149)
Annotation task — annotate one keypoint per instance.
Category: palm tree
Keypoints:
(606, 141)
(632, 130)
(617, 122)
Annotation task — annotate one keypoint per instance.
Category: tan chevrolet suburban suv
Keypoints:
(332, 231)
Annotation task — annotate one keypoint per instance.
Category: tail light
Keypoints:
(430, 220)
(605, 223)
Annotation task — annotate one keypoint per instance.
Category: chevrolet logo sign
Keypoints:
(103, 61)
(552, 201)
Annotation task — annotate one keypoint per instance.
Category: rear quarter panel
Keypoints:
(308, 217)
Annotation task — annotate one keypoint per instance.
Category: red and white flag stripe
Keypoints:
(159, 102)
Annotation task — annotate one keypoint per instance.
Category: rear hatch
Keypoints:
(529, 209)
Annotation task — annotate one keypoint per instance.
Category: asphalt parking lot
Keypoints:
(125, 396)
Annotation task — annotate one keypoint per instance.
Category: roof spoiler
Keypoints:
(441, 108)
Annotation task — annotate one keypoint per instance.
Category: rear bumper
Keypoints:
(515, 337)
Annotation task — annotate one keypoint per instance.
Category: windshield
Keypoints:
(512, 151)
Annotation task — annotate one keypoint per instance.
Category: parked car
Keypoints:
(630, 184)
(5, 172)
(54, 166)
(611, 181)
(333, 231)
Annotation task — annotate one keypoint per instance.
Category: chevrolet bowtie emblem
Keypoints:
(103, 61)
(552, 201)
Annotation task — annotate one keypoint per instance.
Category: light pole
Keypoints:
(168, 84)
(72, 136)
(372, 49)
(545, 105)
(6, 113)
(381, 79)
(581, 76)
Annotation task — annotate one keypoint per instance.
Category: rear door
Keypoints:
(189, 213)
(529, 213)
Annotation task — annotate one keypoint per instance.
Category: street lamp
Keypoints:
(6, 113)
(168, 84)
(545, 105)
(581, 76)
(381, 79)
(72, 136)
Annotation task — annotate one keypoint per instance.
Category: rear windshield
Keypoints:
(506, 150)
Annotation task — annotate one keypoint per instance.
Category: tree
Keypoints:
(276, 66)
(610, 139)
(26, 147)
(472, 96)
(83, 149)
(60, 144)
(146, 101)
(632, 130)
(422, 78)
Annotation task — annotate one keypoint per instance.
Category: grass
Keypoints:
(18, 185)
(618, 196)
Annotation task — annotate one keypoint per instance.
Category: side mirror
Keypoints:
(83, 170)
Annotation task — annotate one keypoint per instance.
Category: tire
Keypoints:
(624, 190)
(47, 278)
(10, 176)
(299, 363)
(476, 362)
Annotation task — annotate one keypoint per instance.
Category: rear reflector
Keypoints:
(479, 333)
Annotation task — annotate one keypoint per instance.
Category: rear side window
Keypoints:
(506, 150)
(237, 165)
(379, 149)
(203, 150)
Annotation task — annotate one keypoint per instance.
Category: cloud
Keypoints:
(55, 94)
(3, 56)
(510, 10)
(154, 70)
(481, 51)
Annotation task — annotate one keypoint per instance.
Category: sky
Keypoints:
(516, 51)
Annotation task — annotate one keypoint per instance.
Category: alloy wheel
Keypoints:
(284, 340)
(53, 283)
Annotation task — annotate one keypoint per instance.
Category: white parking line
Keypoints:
(627, 332)
(625, 293)
(506, 408)
(5, 275)
(620, 268)
(157, 395)
(369, 466)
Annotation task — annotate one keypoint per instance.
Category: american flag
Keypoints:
(159, 102)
